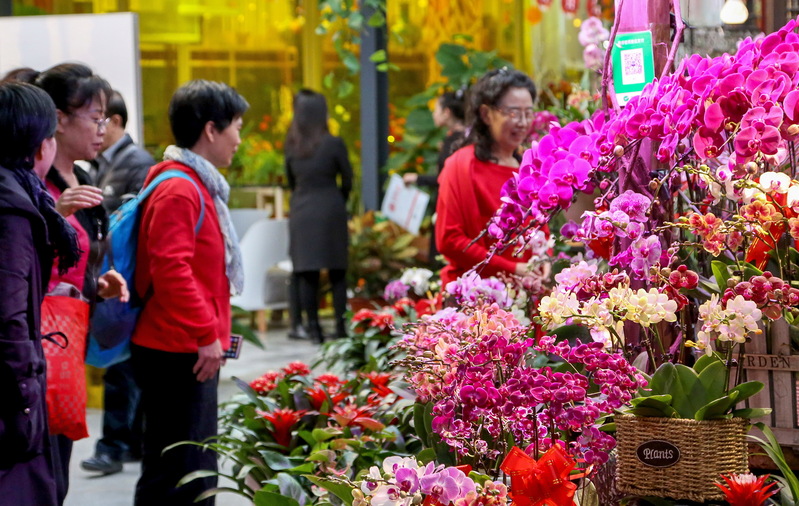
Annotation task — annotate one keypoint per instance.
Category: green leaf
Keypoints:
(750, 271)
(652, 400)
(335, 487)
(324, 434)
(275, 460)
(351, 62)
(290, 487)
(747, 389)
(378, 56)
(419, 422)
(774, 451)
(720, 273)
(717, 408)
(687, 392)
(328, 80)
(704, 361)
(712, 379)
(345, 88)
(750, 413)
(263, 498)
(201, 473)
(663, 380)
(426, 455)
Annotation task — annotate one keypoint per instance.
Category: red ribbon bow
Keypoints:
(542, 483)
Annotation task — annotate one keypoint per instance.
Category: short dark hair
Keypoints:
(489, 90)
(196, 103)
(308, 124)
(116, 105)
(454, 101)
(20, 74)
(72, 86)
(27, 118)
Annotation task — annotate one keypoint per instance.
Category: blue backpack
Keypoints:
(113, 321)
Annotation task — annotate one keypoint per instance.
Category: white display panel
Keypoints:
(108, 43)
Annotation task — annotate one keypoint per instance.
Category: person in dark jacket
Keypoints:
(119, 171)
(449, 112)
(31, 234)
(120, 168)
(318, 235)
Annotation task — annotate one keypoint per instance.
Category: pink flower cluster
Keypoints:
(475, 370)
(404, 480)
(770, 293)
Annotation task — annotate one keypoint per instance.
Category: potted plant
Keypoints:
(379, 251)
(683, 432)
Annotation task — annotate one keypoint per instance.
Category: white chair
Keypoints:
(264, 245)
(244, 218)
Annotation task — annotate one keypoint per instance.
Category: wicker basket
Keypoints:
(678, 458)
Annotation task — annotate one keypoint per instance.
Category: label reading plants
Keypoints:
(658, 453)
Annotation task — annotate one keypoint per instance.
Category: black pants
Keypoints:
(60, 454)
(121, 413)
(309, 295)
(176, 407)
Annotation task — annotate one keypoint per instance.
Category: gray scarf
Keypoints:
(220, 191)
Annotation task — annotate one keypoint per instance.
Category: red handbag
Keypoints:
(66, 312)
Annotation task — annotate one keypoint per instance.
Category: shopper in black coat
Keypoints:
(31, 235)
(318, 235)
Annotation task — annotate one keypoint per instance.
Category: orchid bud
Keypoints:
(618, 150)
(793, 130)
(751, 167)
(653, 185)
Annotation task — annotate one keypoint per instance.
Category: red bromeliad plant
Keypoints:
(747, 489)
(291, 427)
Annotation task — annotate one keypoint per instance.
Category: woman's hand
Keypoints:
(209, 359)
(111, 285)
(77, 198)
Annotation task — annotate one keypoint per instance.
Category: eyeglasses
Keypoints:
(516, 113)
(101, 123)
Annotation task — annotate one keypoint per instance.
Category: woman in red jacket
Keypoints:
(500, 114)
(186, 279)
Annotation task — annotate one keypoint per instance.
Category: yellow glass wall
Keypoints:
(268, 49)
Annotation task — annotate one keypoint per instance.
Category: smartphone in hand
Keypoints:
(235, 346)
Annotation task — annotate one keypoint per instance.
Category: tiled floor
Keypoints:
(117, 490)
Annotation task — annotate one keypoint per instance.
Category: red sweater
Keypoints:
(190, 302)
(468, 196)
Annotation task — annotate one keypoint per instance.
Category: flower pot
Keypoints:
(678, 458)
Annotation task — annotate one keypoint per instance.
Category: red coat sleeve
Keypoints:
(458, 220)
(168, 234)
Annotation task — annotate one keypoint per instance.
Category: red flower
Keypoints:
(379, 382)
(747, 489)
(351, 414)
(425, 307)
(383, 321)
(318, 395)
(329, 380)
(283, 420)
(402, 306)
(266, 383)
(297, 368)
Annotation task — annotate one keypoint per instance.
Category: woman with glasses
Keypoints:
(499, 118)
(80, 98)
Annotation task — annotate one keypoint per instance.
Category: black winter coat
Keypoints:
(122, 176)
(318, 236)
(25, 263)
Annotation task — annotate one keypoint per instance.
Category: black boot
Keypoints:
(315, 331)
